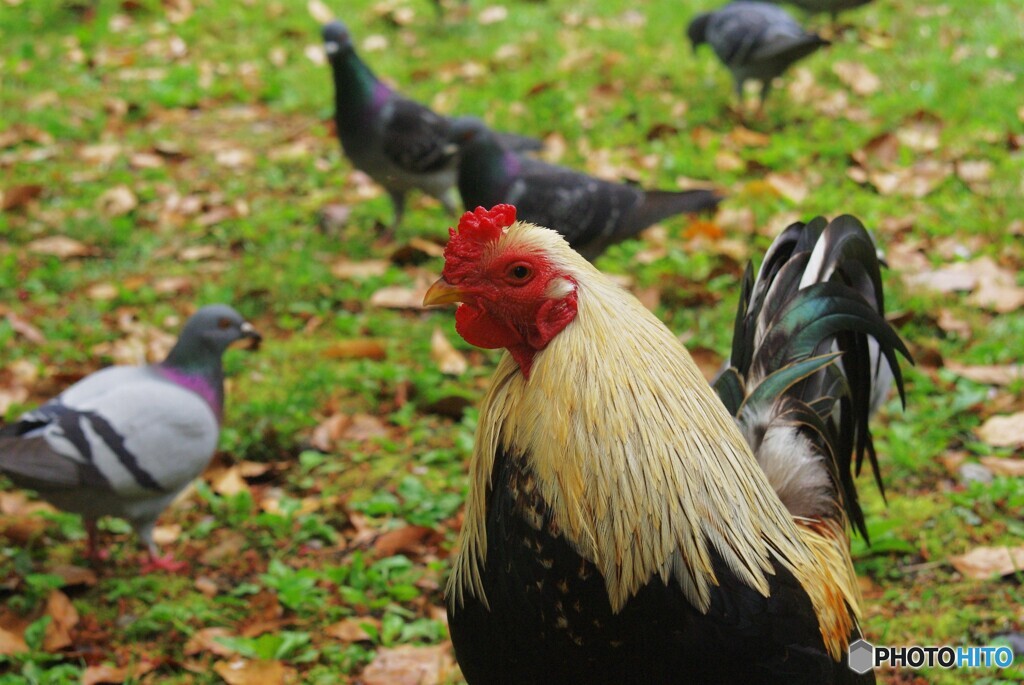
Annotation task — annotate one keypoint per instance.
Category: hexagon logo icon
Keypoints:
(862, 656)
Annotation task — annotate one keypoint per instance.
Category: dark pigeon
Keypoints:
(124, 441)
(591, 213)
(755, 40)
(398, 142)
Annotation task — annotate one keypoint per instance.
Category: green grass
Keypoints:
(603, 75)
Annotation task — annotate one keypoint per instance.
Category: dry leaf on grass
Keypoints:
(976, 173)
(226, 482)
(358, 348)
(918, 180)
(449, 360)
(1003, 431)
(63, 617)
(791, 186)
(920, 132)
(60, 246)
(990, 374)
(205, 641)
(492, 15)
(408, 665)
(983, 563)
(398, 297)
(105, 673)
(117, 201)
(25, 329)
(73, 575)
(857, 77)
(1002, 466)
(352, 629)
(405, 540)
(320, 12)
(242, 672)
(15, 197)
(358, 271)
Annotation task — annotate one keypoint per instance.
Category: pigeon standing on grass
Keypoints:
(591, 213)
(755, 40)
(398, 142)
(124, 441)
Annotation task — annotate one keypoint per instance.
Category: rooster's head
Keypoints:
(516, 286)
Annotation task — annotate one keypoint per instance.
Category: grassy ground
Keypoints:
(186, 148)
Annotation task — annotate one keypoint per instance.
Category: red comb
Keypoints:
(476, 230)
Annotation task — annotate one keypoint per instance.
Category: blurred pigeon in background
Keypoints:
(125, 440)
(755, 40)
(398, 142)
(591, 213)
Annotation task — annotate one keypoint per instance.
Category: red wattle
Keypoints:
(479, 328)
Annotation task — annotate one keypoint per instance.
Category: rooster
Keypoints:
(618, 527)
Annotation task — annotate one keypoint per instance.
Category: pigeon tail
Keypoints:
(518, 143)
(661, 204)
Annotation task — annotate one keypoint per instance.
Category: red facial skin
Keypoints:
(505, 295)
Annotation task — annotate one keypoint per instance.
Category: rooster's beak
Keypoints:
(442, 292)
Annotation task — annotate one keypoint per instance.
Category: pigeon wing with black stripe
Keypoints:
(124, 441)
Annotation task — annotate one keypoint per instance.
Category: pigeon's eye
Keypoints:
(224, 323)
(520, 273)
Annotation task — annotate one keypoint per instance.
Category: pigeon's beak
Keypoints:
(442, 292)
(252, 335)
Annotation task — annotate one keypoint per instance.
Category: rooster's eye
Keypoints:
(520, 272)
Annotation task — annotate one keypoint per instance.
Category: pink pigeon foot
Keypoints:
(163, 564)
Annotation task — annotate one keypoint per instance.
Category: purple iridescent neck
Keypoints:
(210, 390)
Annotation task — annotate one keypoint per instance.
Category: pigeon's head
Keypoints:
(697, 30)
(465, 130)
(336, 38)
(213, 328)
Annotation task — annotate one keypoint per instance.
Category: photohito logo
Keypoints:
(864, 656)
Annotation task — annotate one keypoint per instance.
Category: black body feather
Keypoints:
(549, 619)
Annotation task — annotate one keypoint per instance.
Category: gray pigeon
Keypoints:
(398, 142)
(755, 40)
(589, 212)
(124, 441)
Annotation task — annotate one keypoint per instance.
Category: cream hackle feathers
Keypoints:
(641, 465)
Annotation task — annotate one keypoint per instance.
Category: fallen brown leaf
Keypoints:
(205, 641)
(920, 132)
(449, 360)
(227, 482)
(1003, 431)
(105, 673)
(406, 540)
(352, 630)
(357, 348)
(857, 77)
(398, 297)
(117, 201)
(25, 329)
(60, 246)
(16, 197)
(63, 617)
(73, 575)
(320, 12)
(791, 186)
(242, 672)
(408, 665)
(983, 563)
(991, 374)
(1002, 466)
(358, 271)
